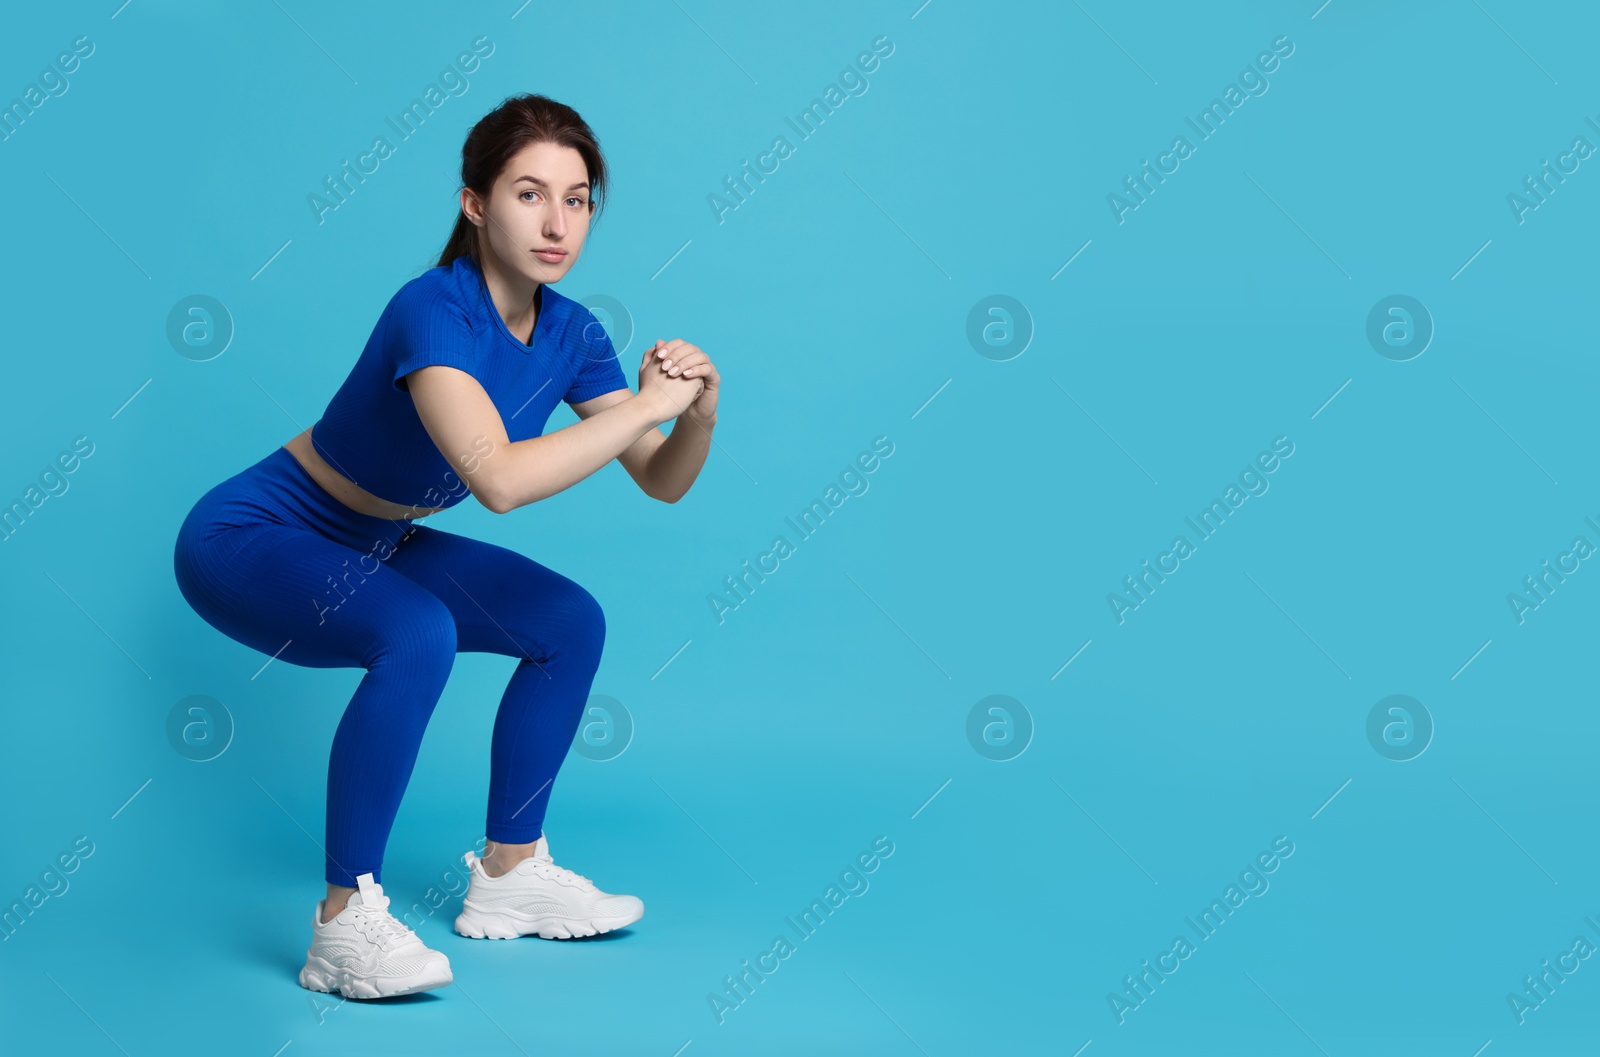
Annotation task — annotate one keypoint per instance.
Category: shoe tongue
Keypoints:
(532, 863)
(541, 853)
(368, 893)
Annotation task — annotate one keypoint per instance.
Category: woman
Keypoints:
(313, 556)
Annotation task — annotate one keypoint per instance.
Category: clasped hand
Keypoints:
(681, 380)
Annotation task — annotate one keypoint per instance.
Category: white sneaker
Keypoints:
(365, 952)
(538, 897)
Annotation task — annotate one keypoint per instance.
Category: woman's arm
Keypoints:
(674, 464)
(678, 459)
(504, 475)
(662, 466)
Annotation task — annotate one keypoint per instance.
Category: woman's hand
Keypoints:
(671, 393)
(678, 358)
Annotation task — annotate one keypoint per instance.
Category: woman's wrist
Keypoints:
(655, 406)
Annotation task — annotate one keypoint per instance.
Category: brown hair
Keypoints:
(517, 122)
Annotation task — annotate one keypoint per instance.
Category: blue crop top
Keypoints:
(371, 432)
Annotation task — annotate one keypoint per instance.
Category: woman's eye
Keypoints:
(525, 194)
(578, 202)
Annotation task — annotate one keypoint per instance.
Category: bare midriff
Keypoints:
(345, 490)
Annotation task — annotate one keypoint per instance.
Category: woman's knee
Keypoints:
(589, 617)
(579, 624)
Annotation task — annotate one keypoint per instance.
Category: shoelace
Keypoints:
(560, 872)
(566, 874)
(377, 924)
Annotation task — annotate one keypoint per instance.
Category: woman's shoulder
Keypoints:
(443, 281)
(571, 319)
(429, 320)
(438, 295)
(559, 304)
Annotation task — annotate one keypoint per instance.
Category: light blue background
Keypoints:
(828, 709)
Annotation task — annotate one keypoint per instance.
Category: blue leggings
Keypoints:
(272, 560)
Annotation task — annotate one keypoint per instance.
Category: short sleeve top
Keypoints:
(371, 432)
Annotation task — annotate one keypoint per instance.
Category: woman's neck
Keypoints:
(517, 298)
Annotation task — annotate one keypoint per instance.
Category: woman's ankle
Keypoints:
(334, 902)
(500, 858)
(503, 864)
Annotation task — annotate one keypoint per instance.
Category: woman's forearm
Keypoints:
(540, 467)
(677, 461)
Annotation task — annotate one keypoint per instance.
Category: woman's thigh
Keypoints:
(503, 602)
(294, 594)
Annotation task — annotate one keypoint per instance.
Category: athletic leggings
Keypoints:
(271, 559)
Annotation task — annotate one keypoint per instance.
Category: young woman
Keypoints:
(313, 556)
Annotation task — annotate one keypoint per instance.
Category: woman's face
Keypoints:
(539, 203)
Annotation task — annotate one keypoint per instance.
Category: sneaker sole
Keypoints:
(478, 924)
(321, 975)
